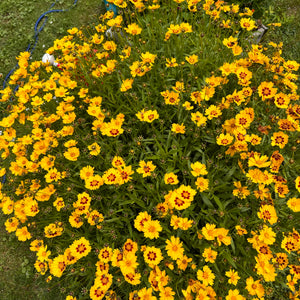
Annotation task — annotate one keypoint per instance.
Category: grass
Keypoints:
(18, 279)
(15, 38)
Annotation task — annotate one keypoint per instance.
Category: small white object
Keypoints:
(47, 58)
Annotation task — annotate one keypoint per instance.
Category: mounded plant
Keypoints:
(158, 158)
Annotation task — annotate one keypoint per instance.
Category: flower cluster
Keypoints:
(160, 160)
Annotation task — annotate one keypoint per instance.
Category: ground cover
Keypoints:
(273, 291)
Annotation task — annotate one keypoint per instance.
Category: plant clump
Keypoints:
(159, 159)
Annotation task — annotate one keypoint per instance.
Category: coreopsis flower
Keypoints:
(105, 254)
(75, 220)
(234, 295)
(192, 59)
(268, 213)
(86, 172)
(198, 118)
(209, 255)
(258, 161)
(41, 267)
(80, 248)
(126, 84)
(132, 277)
(94, 149)
(183, 262)
(151, 229)
(289, 244)
(178, 128)
(146, 168)
(112, 176)
(202, 184)
(230, 42)
(167, 293)
(279, 139)
(129, 263)
(152, 256)
(171, 97)
(266, 90)
(282, 260)
(297, 183)
(206, 276)
(147, 116)
(294, 204)
(213, 112)
(174, 247)
(58, 265)
(209, 231)
(171, 62)
(11, 225)
(224, 139)
(141, 218)
(241, 191)
(94, 182)
(240, 230)
(267, 235)
(170, 178)
(247, 23)
(23, 234)
(198, 169)
(133, 29)
(233, 277)
(72, 153)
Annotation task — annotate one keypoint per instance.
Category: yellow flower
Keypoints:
(94, 149)
(206, 276)
(170, 178)
(233, 277)
(247, 23)
(174, 248)
(152, 256)
(126, 85)
(178, 128)
(72, 153)
(146, 168)
(151, 229)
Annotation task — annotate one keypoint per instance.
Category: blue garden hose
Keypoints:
(110, 6)
(37, 30)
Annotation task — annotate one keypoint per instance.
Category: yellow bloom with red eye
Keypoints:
(141, 218)
(170, 178)
(230, 42)
(152, 256)
(133, 29)
(126, 84)
(224, 139)
(282, 100)
(294, 204)
(72, 153)
(118, 162)
(171, 97)
(279, 139)
(112, 176)
(282, 260)
(213, 112)
(146, 168)
(268, 214)
(53, 175)
(247, 23)
(80, 248)
(297, 183)
(291, 65)
(266, 90)
(244, 75)
(94, 149)
(206, 276)
(281, 189)
(233, 277)
(147, 116)
(132, 277)
(151, 229)
(105, 254)
(178, 128)
(290, 244)
(94, 182)
(59, 203)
